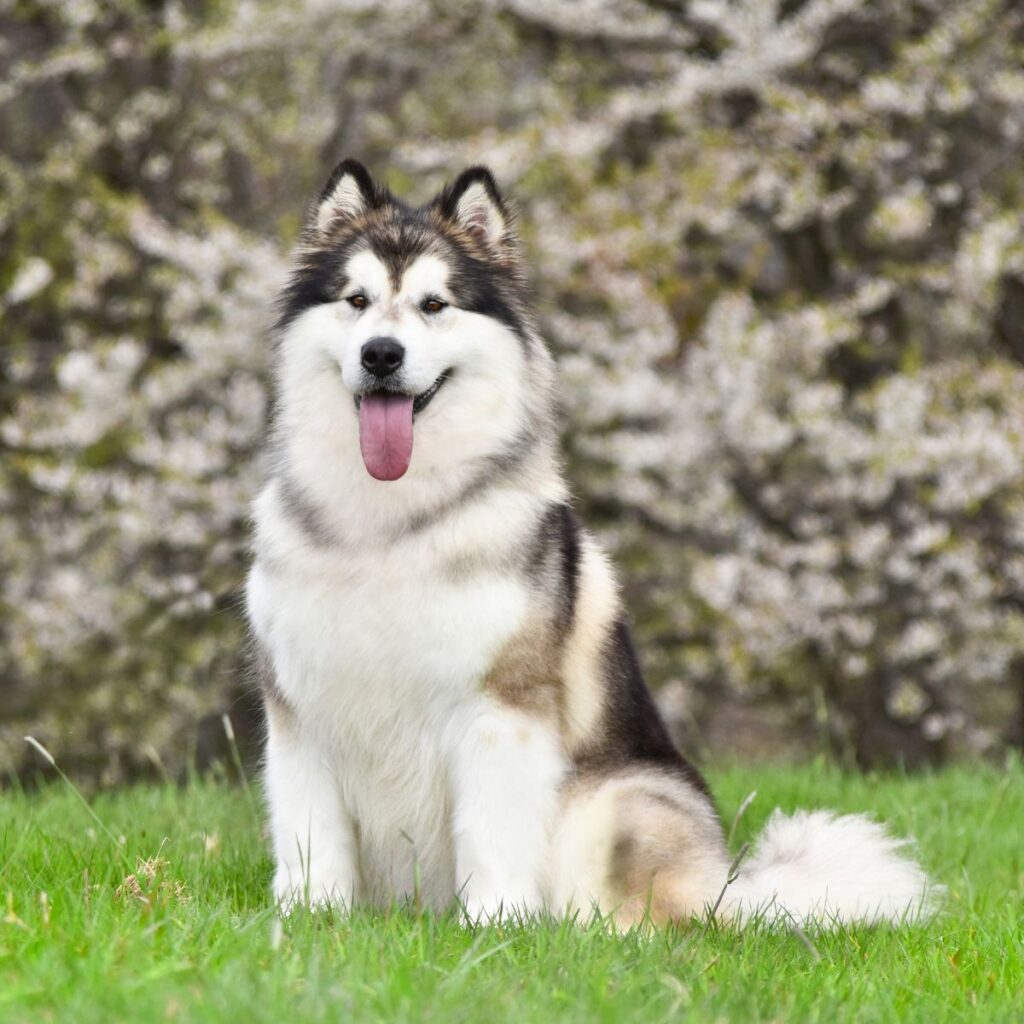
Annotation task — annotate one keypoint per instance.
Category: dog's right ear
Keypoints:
(473, 202)
(349, 192)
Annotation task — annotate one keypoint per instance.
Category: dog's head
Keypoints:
(404, 331)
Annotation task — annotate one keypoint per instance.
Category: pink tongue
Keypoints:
(385, 435)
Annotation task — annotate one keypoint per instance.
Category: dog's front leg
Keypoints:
(508, 766)
(313, 835)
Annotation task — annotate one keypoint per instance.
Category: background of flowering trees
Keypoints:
(779, 247)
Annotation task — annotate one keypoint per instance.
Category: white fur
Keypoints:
(380, 663)
(508, 772)
(392, 775)
(479, 410)
(314, 838)
(815, 865)
(376, 646)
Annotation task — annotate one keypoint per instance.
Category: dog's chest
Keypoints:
(360, 633)
(383, 665)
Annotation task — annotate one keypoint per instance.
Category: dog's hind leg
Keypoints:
(638, 845)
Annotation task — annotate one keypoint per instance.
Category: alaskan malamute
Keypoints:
(455, 711)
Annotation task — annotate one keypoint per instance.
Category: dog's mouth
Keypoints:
(385, 427)
(419, 402)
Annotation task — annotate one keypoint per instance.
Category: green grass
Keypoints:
(199, 941)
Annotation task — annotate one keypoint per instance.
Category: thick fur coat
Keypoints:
(455, 709)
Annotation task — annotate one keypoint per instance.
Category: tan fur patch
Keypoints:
(525, 673)
(644, 847)
(647, 861)
(664, 861)
(539, 671)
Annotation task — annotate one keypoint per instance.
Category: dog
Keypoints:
(455, 710)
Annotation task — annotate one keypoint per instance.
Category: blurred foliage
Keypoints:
(779, 247)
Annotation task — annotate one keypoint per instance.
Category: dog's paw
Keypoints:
(291, 893)
(494, 907)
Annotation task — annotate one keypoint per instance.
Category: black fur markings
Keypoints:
(571, 554)
(397, 238)
(478, 287)
(482, 280)
(397, 241)
(633, 732)
(556, 552)
(314, 282)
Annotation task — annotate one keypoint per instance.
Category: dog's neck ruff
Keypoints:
(410, 506)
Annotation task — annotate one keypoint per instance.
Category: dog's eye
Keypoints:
(433, 305)
(357, 301)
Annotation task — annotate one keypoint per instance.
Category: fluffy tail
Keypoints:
(818, 866)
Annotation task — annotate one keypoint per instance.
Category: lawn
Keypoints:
(153, 906)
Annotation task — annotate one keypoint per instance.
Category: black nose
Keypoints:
(382, 356)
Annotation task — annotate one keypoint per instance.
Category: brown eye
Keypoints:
(433, 305)
(357, 301)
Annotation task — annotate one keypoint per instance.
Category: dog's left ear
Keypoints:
(473, 202)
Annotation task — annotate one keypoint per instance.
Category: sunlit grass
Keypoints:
(159, 911)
